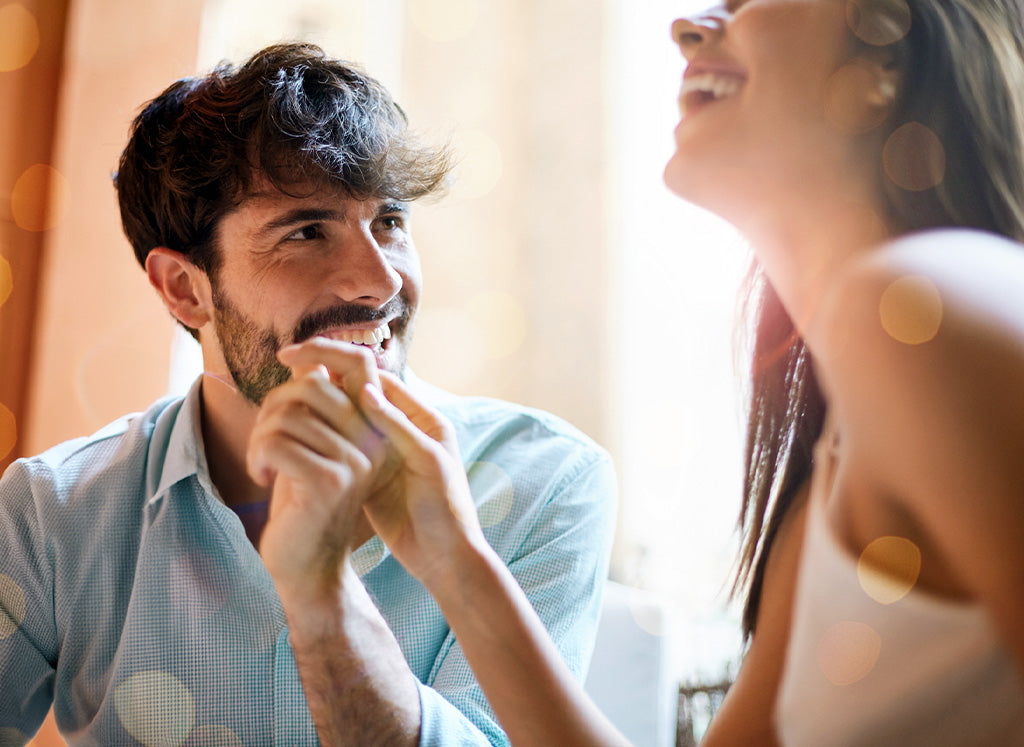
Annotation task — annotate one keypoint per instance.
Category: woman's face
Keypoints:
(753, 102)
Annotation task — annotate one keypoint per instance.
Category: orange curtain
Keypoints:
(31, 56)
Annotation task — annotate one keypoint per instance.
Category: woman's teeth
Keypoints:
(716, 84)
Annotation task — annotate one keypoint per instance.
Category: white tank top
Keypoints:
(921, 670)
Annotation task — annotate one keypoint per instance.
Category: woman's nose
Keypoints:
(691, 33)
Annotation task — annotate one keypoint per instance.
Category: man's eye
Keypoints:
(312, 231)
(392, 222)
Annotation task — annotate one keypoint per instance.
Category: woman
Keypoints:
(873, 153)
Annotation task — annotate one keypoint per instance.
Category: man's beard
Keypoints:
(250, 351)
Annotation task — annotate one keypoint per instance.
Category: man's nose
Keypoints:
(693, 32)
(365, 273)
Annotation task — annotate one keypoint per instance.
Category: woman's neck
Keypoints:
(803, 251)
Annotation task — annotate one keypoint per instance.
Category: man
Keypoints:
(268, 204)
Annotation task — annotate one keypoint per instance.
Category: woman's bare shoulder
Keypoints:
(922, 348)
(915, 286)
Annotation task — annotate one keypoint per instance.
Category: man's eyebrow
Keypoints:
(299, 215)
(393, 207)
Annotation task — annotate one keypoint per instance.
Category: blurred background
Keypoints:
(559, 271)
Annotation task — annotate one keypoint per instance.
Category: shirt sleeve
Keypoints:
(28, 640)
(560, 559)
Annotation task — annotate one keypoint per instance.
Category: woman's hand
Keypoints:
(420, 506)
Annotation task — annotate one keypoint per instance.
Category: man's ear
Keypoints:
(184, 288)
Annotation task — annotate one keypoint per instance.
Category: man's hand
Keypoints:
(311, 443)
(322, 457)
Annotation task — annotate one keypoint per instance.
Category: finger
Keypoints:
(309, 432)
(424, 417)
(398, 429)
(326, 479)
(312, 393)
(350, 366)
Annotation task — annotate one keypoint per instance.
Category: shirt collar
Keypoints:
(177, 442)
(178, 438)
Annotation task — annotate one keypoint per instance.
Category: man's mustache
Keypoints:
(344, 315)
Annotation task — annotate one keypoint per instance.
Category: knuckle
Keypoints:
(337, 480)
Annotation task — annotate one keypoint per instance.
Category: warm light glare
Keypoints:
(12, 607)
(848, 652)
(480, 165)
(6, 280)
(8, 431)
(444, 20)
(504, 318)
(911, 310)
(155, 708)
(888, 569)
(914, 158)
(19, 37)
(874, 27)
(39, 198)
(492, 479)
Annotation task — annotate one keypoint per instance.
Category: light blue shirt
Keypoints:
(131, 599)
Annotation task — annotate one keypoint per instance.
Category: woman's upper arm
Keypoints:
(935, 417)
(745, 716)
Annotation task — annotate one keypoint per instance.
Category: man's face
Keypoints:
(295, 267)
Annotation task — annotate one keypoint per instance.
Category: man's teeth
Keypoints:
(718, 85)
(363, 336)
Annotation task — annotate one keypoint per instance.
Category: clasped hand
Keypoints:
(349, 449)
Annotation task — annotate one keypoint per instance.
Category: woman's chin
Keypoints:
(676, 177)
(687, 182)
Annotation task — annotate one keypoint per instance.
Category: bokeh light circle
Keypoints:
(914, 158)
(19, 37)
(846, 106)
(490, 478)
(888, 568)
(39, 198)
(848, 651)
(6, 280)
(12, 606)
(8, 431)
(910, 310)
(877, 27)
(155, 708)
(444, 20)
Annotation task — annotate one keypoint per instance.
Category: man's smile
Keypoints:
(373, 337)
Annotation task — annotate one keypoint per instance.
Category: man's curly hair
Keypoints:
(289, 114)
